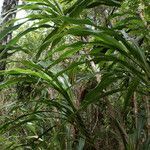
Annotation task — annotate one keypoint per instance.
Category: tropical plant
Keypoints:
(85, 86)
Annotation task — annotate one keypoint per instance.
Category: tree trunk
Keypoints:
(8, 5)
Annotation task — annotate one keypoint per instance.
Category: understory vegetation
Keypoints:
(76, 76)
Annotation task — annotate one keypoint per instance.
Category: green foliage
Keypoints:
(81, 85)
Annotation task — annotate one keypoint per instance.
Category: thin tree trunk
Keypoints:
(8, 5)
(147, 107)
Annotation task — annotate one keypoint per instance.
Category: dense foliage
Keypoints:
(77, 76)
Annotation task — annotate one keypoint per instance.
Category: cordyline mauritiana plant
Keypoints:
(86, 86)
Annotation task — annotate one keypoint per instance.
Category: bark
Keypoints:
(8, 5)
